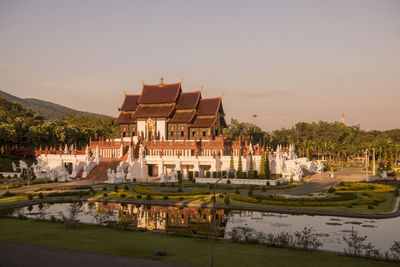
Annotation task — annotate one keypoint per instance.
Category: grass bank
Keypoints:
(191, 251)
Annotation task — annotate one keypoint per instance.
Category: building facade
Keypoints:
(164, 112)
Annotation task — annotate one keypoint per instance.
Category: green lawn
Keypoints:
(191, 251)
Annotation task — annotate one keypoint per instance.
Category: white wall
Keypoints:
(141, 127)
(160, 127)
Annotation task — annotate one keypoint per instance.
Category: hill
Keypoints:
(46, 109)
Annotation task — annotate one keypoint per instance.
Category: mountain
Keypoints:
(46, 109)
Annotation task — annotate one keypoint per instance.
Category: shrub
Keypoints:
(237, 191)
(264, 188)
(41, 196)
(250, 193)
(105, 195)
(104, 188)
(115, 188)
(179, 189)
(9, 194)
(196, 174)
(227, 200)
(181, 198)
(396, 192)
(30, 197)
(148, 197)
(221, 196)
(268, 183)
(139, 196)
(126, 187)
(228, 182)
(370, 207)
(162, 184)
(134, 180)
(331, 190)
(278, 183)
(165, 197)
(122, 195)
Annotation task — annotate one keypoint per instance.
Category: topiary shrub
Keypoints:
(105, 194)
(221, 196)
(370, 207)
(237, 191)
(134, 180)
(228, 182)
(104, 188)
(264, 188)
(148, 197)
(115, 188)
(165, 197)
(162, 184)
(227, 200)
(268, 183)
(139, 196)
(122, 195)
(126, 187)
(278, 183)
(41, 196)
(331, 190)
(250, 193)
(396, 192)
(179, 189)
(30, 197)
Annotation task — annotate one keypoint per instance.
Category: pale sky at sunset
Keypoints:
(286, 61)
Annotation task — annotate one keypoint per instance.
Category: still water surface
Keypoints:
(195, 221)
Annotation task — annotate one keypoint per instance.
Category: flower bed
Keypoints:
(147, 191)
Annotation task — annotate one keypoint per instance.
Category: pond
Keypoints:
(196, 221)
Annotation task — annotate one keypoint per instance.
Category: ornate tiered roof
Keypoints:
(168, 101)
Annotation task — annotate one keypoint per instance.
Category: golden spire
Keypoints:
(123, 90)
(181, 80)
(162, 80)
(201, 88)
(142, 82)
(223, 93)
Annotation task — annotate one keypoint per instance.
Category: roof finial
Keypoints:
(181, 80)
(142, 82)
(201, 87)
(123, 90)
(222, 94)
(162, 80)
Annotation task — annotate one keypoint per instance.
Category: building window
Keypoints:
(216, 132)
(133, 133)
(172, 133)
(204, 133)
(193, 133)
(182, 133)
(124, 134)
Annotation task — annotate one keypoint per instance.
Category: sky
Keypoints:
(286, 61)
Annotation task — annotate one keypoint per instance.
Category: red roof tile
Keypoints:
(204, 122)
(183, 116)
(161, 93)
(188, 100)
(209, 106)
(124, 118)
(130, 103)
(154, 110)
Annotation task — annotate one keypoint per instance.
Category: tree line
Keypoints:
(21, 127)
(333, 139)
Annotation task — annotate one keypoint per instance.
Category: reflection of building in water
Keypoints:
(185, 220)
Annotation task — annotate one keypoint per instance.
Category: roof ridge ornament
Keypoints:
(124, 91)
(162, 80)
(181, 80)
(201, 88)
(222, 95)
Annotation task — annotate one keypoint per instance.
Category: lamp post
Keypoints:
(213, 217)
(366, 164)
(373, 163)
